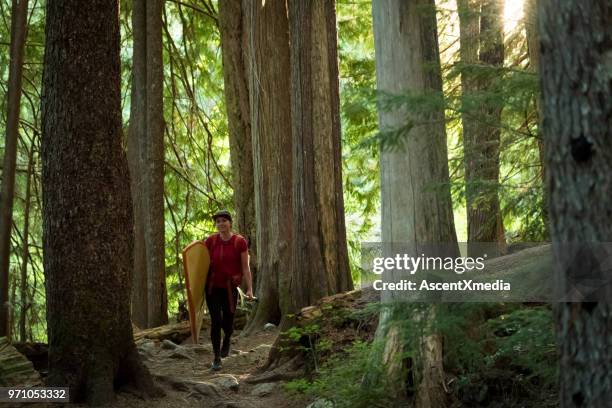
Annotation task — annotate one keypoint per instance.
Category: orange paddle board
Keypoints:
(196, 262)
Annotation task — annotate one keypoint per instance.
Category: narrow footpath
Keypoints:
(183, 371)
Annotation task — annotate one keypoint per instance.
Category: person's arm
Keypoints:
(246, 272)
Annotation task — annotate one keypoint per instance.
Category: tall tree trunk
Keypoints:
(25, 302)
(413, 211)
(147, 132)
(491, 53)
(233, 29)
(482, 124)
(320, 254)
(469, 38)
(155, 238)
(270, 106)
(137, 128)
(87, 214)
(533, 46)
(576, 44)
(19, 13)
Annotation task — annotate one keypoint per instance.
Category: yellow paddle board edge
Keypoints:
(196, 261)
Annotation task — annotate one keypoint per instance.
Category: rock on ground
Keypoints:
(269, 326)
(261, 390)
(206, 388)
(169, 345)
(226, 381)
(180, 354)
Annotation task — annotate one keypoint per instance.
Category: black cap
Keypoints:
(223, 213)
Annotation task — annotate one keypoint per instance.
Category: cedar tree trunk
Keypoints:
(416, 202)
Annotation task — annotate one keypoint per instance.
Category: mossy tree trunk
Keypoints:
(576, 51)
(87, 213)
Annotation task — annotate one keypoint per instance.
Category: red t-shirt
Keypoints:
(225, 259)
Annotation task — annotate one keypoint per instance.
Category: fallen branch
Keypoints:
(179, 332)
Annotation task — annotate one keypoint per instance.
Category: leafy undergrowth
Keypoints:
(501, 355)
(339, 380)
(495, 355)
(337, 347)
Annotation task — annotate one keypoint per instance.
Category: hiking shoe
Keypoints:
(225, 349)
(216, 364)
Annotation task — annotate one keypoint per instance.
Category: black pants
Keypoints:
(221, 315)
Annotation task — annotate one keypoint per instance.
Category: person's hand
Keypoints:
(249, 293)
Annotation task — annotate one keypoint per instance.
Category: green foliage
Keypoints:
(478, 336)
(306, 339)
(340, 380)
(526, 337)
(360, 162)
(496, 348)
(28, 148)
(514, 89)
(197, 178)
(493, 352)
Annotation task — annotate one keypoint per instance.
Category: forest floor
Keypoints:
(184, 372)
(511, 359)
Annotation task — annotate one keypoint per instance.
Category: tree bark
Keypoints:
(320, 254)
(268, 70)
(147, 165)
(137, 127)
(482, 123)
(469, 36)
(404, 177)
(233, 29)
(155, 238)
(415, 194)
(19, 13)
(87, 214)
(576, 45)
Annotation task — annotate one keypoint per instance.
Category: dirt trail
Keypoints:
(183, 370)
(185, 375)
